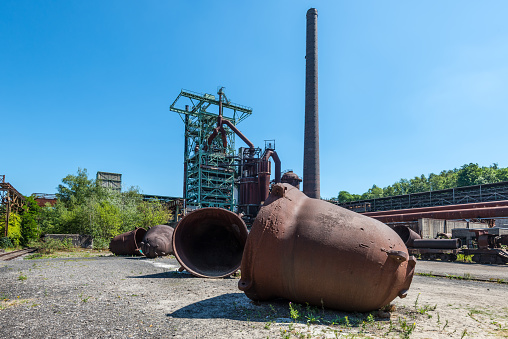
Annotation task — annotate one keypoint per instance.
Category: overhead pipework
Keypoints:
(254, 178)
(311, 176)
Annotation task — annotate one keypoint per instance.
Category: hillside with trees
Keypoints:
(467, 175)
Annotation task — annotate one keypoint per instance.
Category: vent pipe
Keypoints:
(311, 180)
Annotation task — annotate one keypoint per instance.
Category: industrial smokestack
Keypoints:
(311, 180)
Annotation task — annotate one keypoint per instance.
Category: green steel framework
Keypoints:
(209, 176)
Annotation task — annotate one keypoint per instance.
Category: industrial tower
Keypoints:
(209, 161)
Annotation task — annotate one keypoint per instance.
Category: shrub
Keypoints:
(5, 242)
(14, 231)
(49, 246)
(100, 243)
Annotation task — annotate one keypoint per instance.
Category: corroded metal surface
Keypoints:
(308, 250)
(437, 243)
(469, 213)
(406, 234)
(158, 241)
(127, 243)
(209, 242)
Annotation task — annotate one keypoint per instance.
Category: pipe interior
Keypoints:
(139, 234)
(403, 232)
(210, 245)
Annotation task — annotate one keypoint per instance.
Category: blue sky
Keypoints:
(405, 88)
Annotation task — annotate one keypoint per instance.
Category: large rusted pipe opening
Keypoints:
(209, 242)
(407, 235)
(127, 243)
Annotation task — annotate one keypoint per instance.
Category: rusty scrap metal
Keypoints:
(308, 250)
(437, 243)
(406, 234)
(158, 241)
(439, 208)
(488, 212)
(127, 243)
(209, 242)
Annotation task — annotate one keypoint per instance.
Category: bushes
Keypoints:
(29, 227)
(84, 207)
(49, 246)
(14, 231)
(101, 244)
(5, 242)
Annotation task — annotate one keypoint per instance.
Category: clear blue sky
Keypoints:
(405, 88)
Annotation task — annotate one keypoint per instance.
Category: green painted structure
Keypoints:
(209, 175)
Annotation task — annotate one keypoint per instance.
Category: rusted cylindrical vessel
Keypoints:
(309, 250)
(158, 241)
(291, 178)
(406, 234)
(437, 243)
(209, 242)
(127, 243)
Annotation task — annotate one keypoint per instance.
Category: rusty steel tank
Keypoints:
(311, 251)
(209, 242)
(291, 178)
(158, 241)
(127, 243)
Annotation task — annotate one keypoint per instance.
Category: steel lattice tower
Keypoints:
(209, 172)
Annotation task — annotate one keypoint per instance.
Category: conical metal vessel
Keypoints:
(311, 251)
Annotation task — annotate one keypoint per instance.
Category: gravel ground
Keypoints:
(123, 297)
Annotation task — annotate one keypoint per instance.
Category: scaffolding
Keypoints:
(209, 171)
(10, 201)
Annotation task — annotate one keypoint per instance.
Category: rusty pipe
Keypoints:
(223, 136)
(472, 213)
(209, 242)
(439, 208)
(276, 160)
(437, 243)
(127, 243)
(406, 234)
(237, 132)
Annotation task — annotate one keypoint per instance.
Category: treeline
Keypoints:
(467, 175)
(84, 207)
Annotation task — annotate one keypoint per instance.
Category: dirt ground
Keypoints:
(121, 297)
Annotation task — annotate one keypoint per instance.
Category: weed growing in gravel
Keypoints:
(84, 299)
(425, 310)
(406, 328)
(465, 258)
(311, 316)
(22, 277)
(293, 312)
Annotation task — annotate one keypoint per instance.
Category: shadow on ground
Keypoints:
(226, 306)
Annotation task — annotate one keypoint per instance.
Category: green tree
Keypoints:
(469, 175)
(14, 230)
(373, 193)
(76, 189)
(29, 227)
(85, 207)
